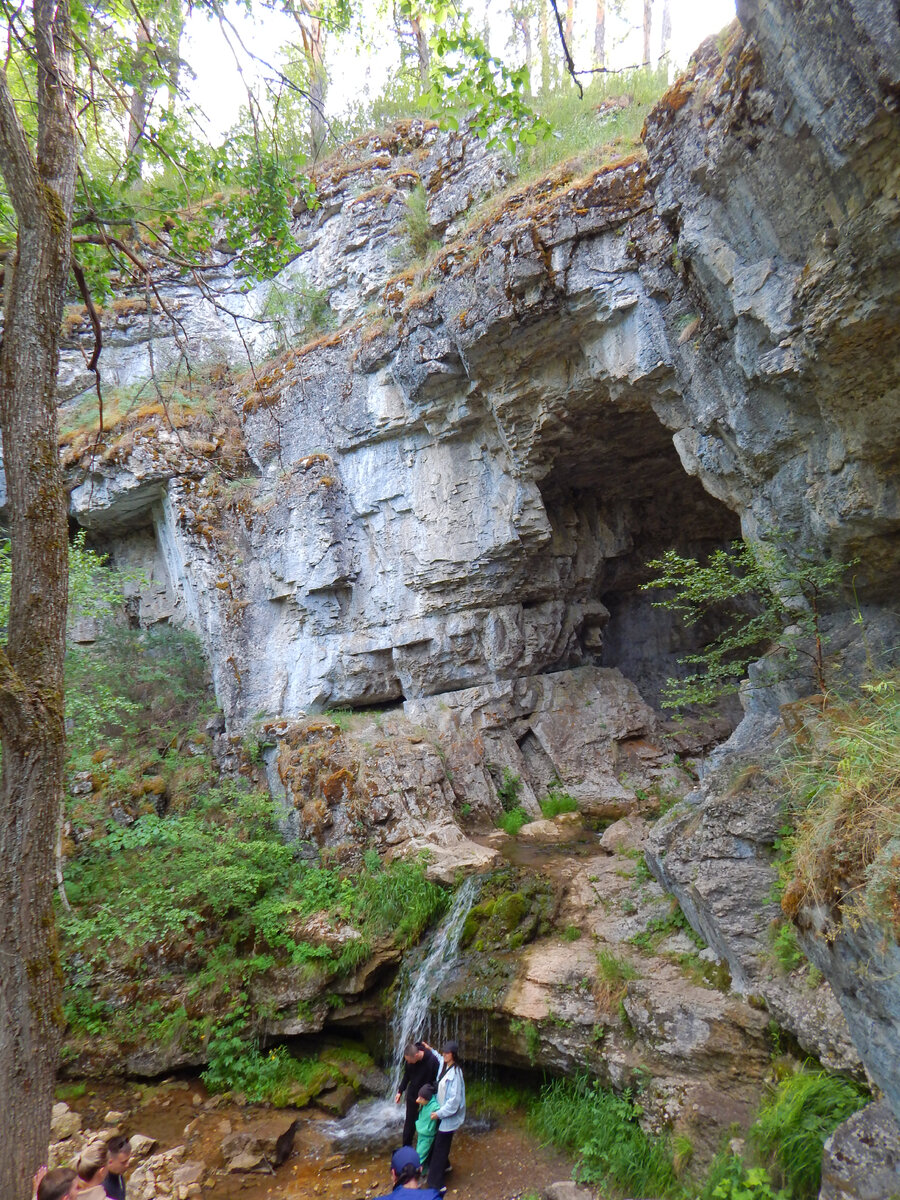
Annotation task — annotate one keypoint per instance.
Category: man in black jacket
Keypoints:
(421, 1067)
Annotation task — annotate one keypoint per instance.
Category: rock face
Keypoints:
(714, 852)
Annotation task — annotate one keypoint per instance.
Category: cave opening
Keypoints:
(617, 495)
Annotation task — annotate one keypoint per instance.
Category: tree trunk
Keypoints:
(665, 35)
(544, 36)
(41, 187)
(648, 18)
(139, 106)
(313, 33)
(423, 50)
(600, 35)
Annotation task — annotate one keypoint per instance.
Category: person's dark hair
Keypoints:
(56, 1184)
(411, 1050)
(426, 1091)
(409, 1172)
(117, 1144)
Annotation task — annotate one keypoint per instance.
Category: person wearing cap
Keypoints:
(425, 1127)
(421, 1066)
(449, 1114)
(405, 1172)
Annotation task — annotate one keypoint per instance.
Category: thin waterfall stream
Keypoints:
(377, 1121)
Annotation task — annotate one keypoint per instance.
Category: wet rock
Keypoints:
(337, 1100)
(63, 1122)
(567, 827)
(861, 1160)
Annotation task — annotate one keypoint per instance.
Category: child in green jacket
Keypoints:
(425, 1127)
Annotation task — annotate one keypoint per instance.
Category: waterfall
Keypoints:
(409, 1016)
(378, 1121)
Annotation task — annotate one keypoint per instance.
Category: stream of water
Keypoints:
(378, 1122)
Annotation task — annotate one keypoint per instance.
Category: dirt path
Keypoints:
(498, 1163)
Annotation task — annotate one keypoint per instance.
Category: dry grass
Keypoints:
(845, 794)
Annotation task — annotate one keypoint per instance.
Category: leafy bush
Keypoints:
(602, 1129)
(730, 1179)
(795, 1121)
(265, 1077)
(769, 594)
(511, 822)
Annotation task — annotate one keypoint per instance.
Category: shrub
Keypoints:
(602, 1129)
(512, 822)
(769, 594)
(794, 1122)
(557, 802)
(417, 224)
(508, 790)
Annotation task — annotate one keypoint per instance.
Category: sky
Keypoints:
(219, 91)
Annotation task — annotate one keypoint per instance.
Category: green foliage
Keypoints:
(785, 949)
(136, 687)
(298, 311)
(844, 781)
(511, 822)
(94, 587)
(796, 1119)
(265, 1077)
(532, 1035)
(571, 933)
(492, 1099)
(342, 717)
(772, 595)
(602, 1129)
(730, 1179)
(417, 224)
(557, 801)
(508, 790)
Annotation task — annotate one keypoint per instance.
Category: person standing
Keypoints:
(425, 1127)
(421, 1067)
(450, 1112)
(91, 1171)
(119, 1151)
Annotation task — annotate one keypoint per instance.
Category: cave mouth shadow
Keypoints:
(617, 495)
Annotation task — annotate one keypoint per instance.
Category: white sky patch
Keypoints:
(354, 76)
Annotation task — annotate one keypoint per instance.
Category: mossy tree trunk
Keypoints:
(40, 179)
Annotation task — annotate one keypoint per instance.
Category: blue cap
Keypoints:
(405, 1157)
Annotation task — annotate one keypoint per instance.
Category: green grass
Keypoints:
(490, 1098)
(796, 1119)
(845, 806)
(602, 1130)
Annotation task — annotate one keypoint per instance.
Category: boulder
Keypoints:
(338, 1100)
(565, 1189)
(629, 833)
(63, 1122)
(861, 1160)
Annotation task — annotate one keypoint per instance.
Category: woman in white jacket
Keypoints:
(450, 1112)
